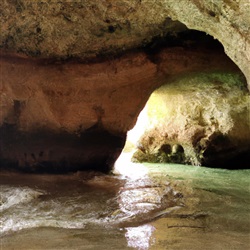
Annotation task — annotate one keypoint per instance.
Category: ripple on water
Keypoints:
(12, 196)
(23, 207)
(216, 211)
(131, 203)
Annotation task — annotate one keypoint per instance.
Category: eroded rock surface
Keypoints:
(81, 28)
(92, 27)
(201, 119)
(62, 116)
(69, 114)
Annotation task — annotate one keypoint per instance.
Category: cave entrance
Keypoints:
(194, 116)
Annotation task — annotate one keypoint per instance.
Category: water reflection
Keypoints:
(140, 237)
(124, 167)
(98, 201)
(123, 213)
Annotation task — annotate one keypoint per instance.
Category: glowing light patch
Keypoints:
(123, 166)
(140, 237)
(137, 131)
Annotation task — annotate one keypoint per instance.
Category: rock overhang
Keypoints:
(91, 28)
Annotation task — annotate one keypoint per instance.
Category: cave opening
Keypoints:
(38, 135)
(193, 117)
(186, 39)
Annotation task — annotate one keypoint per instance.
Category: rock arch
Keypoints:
(227, 21)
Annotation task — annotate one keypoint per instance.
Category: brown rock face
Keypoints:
(69, 115)
(74, 96)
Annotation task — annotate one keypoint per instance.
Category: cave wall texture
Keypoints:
(195, 120)
(76, 74)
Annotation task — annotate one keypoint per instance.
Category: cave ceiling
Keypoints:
(92, 28)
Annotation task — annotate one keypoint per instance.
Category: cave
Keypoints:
(86, 84)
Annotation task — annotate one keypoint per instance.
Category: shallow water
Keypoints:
(159, 206)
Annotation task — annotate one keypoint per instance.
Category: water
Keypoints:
(147, 206)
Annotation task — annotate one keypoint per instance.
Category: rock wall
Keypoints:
(200, 119)
(70, 115)
(225, 20)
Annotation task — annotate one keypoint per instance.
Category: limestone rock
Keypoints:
(82, 29)
(201, 119)
(65, 116)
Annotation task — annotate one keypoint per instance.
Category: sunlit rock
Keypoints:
(201, 119)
